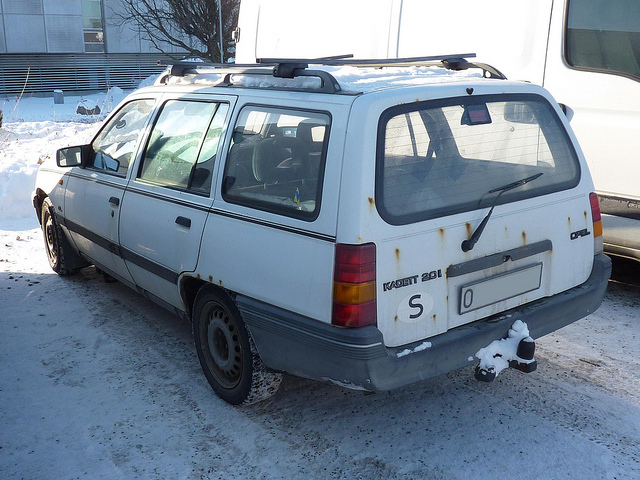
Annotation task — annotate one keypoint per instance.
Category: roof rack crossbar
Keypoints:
(454, 62)
(348, 60)
(289, 68)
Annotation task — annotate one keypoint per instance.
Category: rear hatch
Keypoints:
(479, 212)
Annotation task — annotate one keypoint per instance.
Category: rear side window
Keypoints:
(445, 157)
(276, 161)
(604, 35)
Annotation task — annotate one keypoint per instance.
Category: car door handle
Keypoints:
(115, 201)
(184, 221)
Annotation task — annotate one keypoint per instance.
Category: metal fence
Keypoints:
(75, 72)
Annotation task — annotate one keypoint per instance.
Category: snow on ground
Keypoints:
(96, 382)
(33, 129)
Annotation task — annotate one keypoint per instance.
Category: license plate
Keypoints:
(501, 287)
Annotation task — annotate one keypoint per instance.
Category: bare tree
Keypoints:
(191, 25)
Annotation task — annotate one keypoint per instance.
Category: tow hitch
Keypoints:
(516, 351)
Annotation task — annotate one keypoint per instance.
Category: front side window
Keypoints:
(604, 35)
(444, 157)
(276, 161)
(183, 145)
(117, 141)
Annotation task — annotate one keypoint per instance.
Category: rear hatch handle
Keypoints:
(468, 245)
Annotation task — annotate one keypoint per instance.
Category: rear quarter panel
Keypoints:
(283, 261)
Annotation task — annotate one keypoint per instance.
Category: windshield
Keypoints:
(442, 157)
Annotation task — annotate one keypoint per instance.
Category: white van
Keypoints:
(366, 227)
(585, 52)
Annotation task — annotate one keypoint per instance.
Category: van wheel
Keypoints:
(227, 353)
(58, 249)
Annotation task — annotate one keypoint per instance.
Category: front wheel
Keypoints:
(59, 252)
(227, 353)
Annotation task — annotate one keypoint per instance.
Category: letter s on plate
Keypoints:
(415, 307)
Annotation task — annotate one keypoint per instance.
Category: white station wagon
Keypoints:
(369, 227)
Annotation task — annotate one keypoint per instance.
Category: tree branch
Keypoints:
(189, 25)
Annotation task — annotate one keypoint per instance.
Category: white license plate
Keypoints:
(501, 287)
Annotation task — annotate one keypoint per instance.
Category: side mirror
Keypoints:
(72, 156)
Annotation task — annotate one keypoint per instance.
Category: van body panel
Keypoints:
(525, 40)
(511, 36)
(273, 29)
(605, 115)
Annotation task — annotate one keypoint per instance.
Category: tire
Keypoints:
(227, 353)
(62, 258)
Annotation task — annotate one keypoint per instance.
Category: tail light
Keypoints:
(597, 223)
(354, 285)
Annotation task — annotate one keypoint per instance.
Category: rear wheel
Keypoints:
(59, 252)
(227, 353)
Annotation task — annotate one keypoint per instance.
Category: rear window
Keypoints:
(444, 157)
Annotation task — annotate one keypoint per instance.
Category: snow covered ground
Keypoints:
(96, 382)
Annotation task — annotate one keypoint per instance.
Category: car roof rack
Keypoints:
(289, 68)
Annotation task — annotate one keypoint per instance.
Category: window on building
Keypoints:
(93, 25)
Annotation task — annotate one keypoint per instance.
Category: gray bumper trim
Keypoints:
(357, 358)
(620, 235)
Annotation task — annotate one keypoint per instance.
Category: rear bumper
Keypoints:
(621, 237)
(357, 358)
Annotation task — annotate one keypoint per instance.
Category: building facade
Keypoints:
(78, 45)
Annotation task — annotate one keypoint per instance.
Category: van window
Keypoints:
(174, 156)
(445, 157)
(604, 35)
(276, 161)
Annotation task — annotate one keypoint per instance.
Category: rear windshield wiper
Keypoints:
(475, 236)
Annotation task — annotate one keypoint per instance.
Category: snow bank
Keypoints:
(33, 129)
(147, 82)
(23, 147)
(32, 109)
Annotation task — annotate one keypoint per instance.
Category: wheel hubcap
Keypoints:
(50, 239)
(224, 347)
